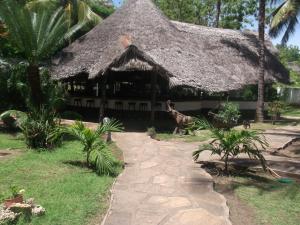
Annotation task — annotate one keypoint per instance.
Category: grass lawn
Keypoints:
(291, 111)
(273, 203)
(70, 193)
(202, 135)
(267, 125)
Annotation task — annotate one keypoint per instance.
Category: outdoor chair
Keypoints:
(143, 106)
(131, 106)
(90, 103)
(158, 106)
(78, 102)
(118, 105)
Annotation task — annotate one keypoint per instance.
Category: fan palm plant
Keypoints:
(284, 19)
(78, 11)
(97, 152)
(36, 35)
(230, 143)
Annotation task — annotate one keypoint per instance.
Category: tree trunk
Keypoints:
(218, 12)
(261, 75)
(34, 80)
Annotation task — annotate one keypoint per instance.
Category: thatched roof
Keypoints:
(207, 58)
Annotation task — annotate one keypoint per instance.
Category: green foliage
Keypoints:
(229, 113)
(231, 143)
(13, 88)
(285, 19)
(12, 118)
(58, 181)
(97, 152)
(151, 131)
(40, 127)
(275, 109)
(196, 125)
(289, 53)
(234, 14)
(37, 35)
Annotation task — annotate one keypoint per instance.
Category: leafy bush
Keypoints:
(229, 113)
(275, 109)
(151, 131)
(230, 143)
(196, 125)
(40, 127)
(98, 154)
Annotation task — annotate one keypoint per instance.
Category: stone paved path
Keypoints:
(161, 185)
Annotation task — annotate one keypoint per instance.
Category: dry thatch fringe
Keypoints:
(211, 59)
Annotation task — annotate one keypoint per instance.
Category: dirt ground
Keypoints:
(4, 154)
(240, 212)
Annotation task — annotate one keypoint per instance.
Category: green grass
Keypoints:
(71, 193)
(291, 111)
(267, 125)
(8, 141)
(274, 203)
(202, 135)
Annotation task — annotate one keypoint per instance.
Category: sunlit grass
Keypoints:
(201, 136)
(274, 203)
(71, 193)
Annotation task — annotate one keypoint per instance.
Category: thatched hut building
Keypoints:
(136, 56)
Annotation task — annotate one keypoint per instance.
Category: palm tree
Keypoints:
(231, 143)
(78, 11)
(261, 73)
(97, 152)
(285, 19)
(219, 2)
(36, 35)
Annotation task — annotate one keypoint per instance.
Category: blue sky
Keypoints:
(294, 39)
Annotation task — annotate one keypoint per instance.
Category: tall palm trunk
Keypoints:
(261, 72)
(218, 12)
(34, 80)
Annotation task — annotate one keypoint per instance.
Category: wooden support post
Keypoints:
(72, 86)
(153, 97)
(103, 99)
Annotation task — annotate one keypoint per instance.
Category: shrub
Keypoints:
(40, 127)
(98, 154)
(230, 143)
(151, 131)
(275, 109)
(229, 114)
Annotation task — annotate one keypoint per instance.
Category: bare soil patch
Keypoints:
(8, 153)
(240, 212)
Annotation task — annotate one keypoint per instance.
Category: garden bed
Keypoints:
(70, 192)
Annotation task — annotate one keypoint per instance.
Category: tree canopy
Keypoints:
(234, 14)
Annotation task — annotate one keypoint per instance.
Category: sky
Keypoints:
(294, 39)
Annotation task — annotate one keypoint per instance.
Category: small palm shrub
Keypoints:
(196, 125)
(40, 127)
(230, 143)
(98, 154)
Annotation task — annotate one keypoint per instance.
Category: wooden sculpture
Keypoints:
(180, 119)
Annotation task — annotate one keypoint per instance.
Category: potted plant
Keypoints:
(16, 197)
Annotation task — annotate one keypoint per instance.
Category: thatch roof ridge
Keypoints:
(207, 58)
